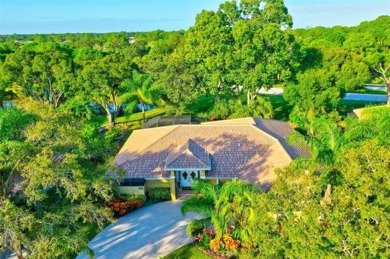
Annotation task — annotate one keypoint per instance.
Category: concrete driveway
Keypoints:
(149, 232)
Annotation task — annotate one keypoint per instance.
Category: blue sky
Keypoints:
(60, 16)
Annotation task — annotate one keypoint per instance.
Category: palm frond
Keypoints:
(198, 205)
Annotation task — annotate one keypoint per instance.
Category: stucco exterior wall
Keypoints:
(140, 190)
(157, 183)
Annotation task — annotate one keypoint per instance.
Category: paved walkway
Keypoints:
(149, 232)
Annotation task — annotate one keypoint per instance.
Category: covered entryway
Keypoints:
(186, 177)
(187, 162)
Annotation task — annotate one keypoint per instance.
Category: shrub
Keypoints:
(160, 194)
(231, 244)
(205, 237)
(196, 227)
(215, 245)
(121, 205)
(221, 110)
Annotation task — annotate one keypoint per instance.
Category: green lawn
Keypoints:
(187, 252)
(346, 106)
(131, 118)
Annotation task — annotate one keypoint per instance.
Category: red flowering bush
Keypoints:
(121, 206)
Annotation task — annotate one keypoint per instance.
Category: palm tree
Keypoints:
(230, 207)
(235, 209)
(142, 87)
(323, 139)
(202, 202)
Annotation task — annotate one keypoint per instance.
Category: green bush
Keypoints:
(196, 226)
(160, 194)
(221, 110)
(260, 108)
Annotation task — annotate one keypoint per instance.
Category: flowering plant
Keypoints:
(121, 206)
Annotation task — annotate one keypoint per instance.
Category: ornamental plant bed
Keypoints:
(211, 253)
(226, 247)
(121, 206)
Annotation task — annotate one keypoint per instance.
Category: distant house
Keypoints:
(173, 156)
(131, 40)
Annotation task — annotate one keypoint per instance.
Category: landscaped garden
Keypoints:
(69, 101)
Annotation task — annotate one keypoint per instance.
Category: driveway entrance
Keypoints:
(149, 232)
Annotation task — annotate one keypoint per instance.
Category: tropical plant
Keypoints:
(229, 208)
(142, 87)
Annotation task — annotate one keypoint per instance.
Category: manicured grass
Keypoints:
(134, 117)
(346, 106)
(138, 116)
(187, 252)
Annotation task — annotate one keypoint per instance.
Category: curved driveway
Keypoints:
(149, 232)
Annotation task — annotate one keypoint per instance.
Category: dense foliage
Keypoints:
(228, 53)
(53, 156)
(52, 182)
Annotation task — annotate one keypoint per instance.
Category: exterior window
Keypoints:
(193, 175)
(185, 175)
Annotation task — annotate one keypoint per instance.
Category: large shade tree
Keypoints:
(209, 50)
(265, 51)
(371, 39)
(52, 208)
(100, 81)
(242, 46)
(44, 71)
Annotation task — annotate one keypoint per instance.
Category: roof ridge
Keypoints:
(197, 158)
(193, 155)
(276, 140)
(174, 128)
(179, 154)
(188, 150)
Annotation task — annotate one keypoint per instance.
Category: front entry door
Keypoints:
(187, 177)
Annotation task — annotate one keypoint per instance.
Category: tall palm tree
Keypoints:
(323, 139)
(142, 87)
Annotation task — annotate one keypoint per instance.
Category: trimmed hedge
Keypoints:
(160, 194)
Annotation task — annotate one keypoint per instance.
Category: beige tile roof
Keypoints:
(245, 148)
(140, 140)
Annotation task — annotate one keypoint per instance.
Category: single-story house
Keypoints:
(173, 156)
